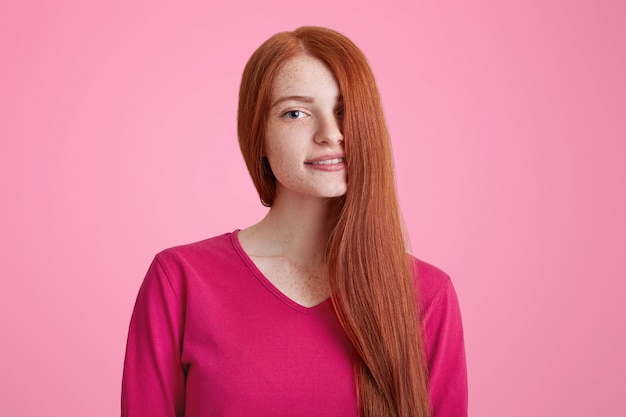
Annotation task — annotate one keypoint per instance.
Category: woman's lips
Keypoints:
(327, 163)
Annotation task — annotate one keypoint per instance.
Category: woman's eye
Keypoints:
(294, 114)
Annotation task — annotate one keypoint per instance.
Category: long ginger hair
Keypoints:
(372, 285)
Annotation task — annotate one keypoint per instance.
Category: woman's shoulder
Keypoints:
(203, 250)
(187, 266)
(430, 279)
(434, 286)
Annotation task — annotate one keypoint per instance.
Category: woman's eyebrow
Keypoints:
(303, 99)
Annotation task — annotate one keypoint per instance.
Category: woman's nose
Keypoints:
(329, 130)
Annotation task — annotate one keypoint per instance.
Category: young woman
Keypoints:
(317, 310)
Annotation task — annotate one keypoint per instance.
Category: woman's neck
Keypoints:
(297, 229)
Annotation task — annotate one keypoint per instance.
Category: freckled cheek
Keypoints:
(288, 173)
(283, 165)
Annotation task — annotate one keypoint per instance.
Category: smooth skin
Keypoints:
(304, 146)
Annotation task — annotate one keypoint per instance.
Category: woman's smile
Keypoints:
(327, 163)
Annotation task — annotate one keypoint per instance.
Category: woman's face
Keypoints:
(304, 140)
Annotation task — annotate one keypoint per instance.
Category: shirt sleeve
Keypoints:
(445, 352)
(153, 379)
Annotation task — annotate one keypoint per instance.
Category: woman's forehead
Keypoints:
(304, 76)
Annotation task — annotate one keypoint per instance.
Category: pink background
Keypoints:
(117, 127)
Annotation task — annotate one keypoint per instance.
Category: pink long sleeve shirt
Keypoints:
(211, 336)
